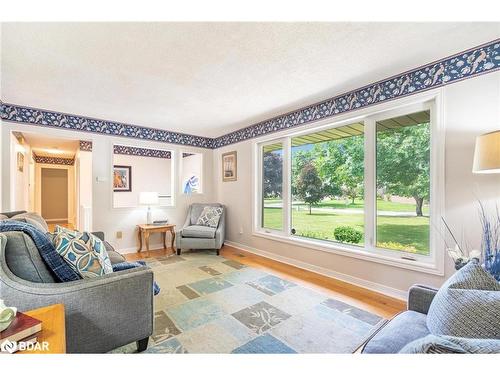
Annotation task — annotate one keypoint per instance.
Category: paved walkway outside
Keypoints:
(343, 210)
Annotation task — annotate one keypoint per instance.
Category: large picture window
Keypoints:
(365, 185)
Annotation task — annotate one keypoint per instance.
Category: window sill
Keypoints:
(353, 252)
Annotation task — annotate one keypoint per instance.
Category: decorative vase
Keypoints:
(492, 265)
(7, 315)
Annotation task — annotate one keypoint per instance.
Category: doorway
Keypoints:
(54, 191)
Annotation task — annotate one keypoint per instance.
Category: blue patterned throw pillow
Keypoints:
(84, 252)
(467, 305)
(210, 216)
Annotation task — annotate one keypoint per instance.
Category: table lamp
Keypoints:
(487, 153)
(149, 198)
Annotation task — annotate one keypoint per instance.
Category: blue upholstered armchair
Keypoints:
(192, 236)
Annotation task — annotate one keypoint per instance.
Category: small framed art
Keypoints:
(122, 178)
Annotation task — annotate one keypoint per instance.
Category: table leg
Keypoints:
(146, 237)
(139, 234)
(164, 238)
(172, 231)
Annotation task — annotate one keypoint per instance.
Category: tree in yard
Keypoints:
(299, 160)
(327, 158)
(309, 185)
(350, 174)
(340, 165)
(272, 175)
(403, 163)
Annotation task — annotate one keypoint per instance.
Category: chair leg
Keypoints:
(142, 344)
(178, 251)
(218, 252)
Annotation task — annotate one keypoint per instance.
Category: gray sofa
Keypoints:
(192, 236)
(101, 313)
(405, 327)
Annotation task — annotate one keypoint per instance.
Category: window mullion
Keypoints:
(287, 191)
(370, 184)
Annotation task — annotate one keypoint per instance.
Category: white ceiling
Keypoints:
(211, 78)
(48, 146)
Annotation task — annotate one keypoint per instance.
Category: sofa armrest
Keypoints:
(420, 298)
(187, 223)
(99, 235)
(221, 231)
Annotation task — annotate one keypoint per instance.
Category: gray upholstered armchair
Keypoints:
(102, 313)
(192, 236)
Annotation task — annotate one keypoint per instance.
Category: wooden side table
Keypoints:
(145, 231)
(53, 329)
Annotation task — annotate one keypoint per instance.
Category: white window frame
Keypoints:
(434, 262)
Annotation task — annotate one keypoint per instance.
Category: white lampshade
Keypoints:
(487, 153)
(149, 198)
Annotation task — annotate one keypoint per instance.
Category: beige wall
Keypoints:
(54, 192)
(83, 173)
(470, 108)
(148, 174)
(21, 198)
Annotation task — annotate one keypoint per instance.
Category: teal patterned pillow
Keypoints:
(84, 252)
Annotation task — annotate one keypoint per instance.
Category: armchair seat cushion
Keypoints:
(198, 231)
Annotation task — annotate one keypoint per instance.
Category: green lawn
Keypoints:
(397, 233)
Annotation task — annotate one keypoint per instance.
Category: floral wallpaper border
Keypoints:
(53, 160)
(139, 151)
(470, 63)
(85, 146)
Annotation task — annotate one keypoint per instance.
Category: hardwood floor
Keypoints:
(356, 296)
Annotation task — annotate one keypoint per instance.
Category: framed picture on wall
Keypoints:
(122, 178)
(229, 166)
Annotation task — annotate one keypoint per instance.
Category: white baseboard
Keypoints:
(127, 250)
(370, 285)
(130, 250)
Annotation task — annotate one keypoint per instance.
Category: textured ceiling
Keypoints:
(211, 78)
(51, 147)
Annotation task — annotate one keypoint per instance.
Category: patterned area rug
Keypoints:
(209, 304)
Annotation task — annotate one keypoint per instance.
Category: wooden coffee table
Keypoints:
(53, 329)
(145, 231)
